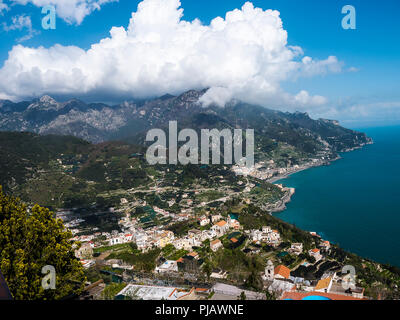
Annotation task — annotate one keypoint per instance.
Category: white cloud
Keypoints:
(244, 55)
(216, 95)
(364, 110)
(3, 7)
(304, 99)
(72, 11)
(18, 23)
(21, 22)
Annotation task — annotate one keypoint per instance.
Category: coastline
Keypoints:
(317, 163)
(301, 168)
(281, 204)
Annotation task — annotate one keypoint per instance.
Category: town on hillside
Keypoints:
(210, 256)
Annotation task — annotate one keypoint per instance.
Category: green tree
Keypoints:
(112, 290)
(254, 281)
(207, 268)
(270, 295)
(242, 296)
(30, 240)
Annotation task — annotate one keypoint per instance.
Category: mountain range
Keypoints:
(130, 120)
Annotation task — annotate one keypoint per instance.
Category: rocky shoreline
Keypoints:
(281, 204)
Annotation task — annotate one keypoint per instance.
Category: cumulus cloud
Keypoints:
(304, 99)
(72, 11)
(244, 55)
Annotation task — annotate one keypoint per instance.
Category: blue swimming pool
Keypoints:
(316, 298)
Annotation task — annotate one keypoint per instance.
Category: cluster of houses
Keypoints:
(263, 170)
(265, 235)
(296, 248)
(158, 237)
(277, 279)
(196, 237)
(144, 239)
(332, 285)
(212, 227)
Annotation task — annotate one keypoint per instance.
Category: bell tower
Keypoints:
(269, 271)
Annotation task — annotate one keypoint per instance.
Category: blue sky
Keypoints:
(373, 49)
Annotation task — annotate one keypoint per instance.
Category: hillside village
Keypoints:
(207, 232)
(193, 255)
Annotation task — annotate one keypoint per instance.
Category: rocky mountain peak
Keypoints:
(47, 100)
(45, 103)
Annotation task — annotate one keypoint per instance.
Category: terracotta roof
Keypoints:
(221, 223)
(302, 295)
(315, 250)
(283, 271)
(193, 254)
(323, 283)
(179, 260)
(234, 240)
(215, 241)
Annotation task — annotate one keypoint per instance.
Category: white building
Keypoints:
(324, 285)
(316, 253)
(167, 266)
(266, 229)
(269, 272)
(280, 286)
(140, 292)
(325, 245)
(215, 245)
(229, 290)
(296, 248)
(221, 227)
(141, 240)
(267, 235)
(204, 221)
(215, 218)
(85, 251)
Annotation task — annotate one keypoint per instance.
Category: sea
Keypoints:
(355, 201)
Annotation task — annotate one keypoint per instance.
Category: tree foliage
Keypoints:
(112, 290)
(29, 240)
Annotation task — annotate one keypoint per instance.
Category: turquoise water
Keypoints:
(354, 202)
